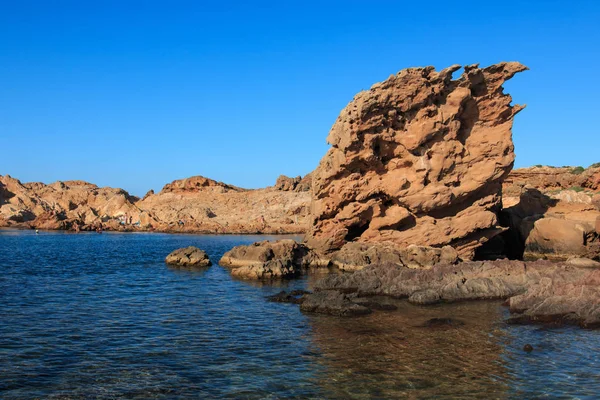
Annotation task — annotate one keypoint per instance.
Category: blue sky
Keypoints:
(137, 94)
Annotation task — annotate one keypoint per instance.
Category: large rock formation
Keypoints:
(65, 205)
(418, 159)
(196, 204)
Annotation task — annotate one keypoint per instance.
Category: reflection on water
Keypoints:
(102, 316)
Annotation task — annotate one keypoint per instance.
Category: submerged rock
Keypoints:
(332, 302)
(188, 257)
(442, 323)
(295, 297)
(374, 304)
(418, 159)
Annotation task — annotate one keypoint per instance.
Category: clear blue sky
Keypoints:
(136, 94)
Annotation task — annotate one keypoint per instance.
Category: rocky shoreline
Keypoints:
(415, 199)
(193, 205)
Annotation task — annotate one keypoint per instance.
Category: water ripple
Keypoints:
(102, 316)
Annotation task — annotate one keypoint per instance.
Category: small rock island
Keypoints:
(188, 257)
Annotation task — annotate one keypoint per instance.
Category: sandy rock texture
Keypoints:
(188, 257)
(538, 291)
(418, 159)
(196, 204)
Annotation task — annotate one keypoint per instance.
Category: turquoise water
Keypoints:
(101, 316)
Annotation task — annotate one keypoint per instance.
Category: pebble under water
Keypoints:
(101, 316)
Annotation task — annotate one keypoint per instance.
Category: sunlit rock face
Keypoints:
(418, 159)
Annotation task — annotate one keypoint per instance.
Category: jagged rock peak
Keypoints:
(196, 183)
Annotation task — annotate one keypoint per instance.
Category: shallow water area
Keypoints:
(101, 316)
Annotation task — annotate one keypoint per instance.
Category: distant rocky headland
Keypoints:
(419, 176)
(196, 204)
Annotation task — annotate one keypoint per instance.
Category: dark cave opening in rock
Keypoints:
(356, 230)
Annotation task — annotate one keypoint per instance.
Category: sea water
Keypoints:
(101, 316)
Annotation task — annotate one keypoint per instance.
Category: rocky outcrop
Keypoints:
(551, 224)
(196, 183)
(195, 204)
(546, 179)
(202, 205)
(540, 290)
(557, 237)
(67, 205)
(297, 184)
(354, 256)
(287, 258)
(596, 203)
(568, 301)
(188, 257)
(418, 159)
(442, 283)
(270, 260)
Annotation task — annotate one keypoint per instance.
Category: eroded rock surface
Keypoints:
(354, 256)
(199, 204)
(539, 291)
(270, 260)
(542, 224)
(567, 301)
(66, 205)
(188, 257)
(297, 184)
(418, 159)
(196, 204)
(553, 179)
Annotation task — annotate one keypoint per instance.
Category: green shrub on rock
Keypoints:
(577, 170)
